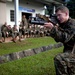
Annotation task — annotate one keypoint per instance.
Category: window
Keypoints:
(12, 15)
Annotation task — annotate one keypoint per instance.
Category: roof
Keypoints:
(48, 2)
(56, 2)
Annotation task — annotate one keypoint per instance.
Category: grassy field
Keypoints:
(28, 43)
(39, 64)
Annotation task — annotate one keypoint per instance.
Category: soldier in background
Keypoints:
(20, 31)
(4, 31)
(0, 36)
(14, 33)
(24, 21)
(45, 31)
(36, 32)
(25, 25)
(41, 31)
(31, 31)
(64, 33)
(9, 31)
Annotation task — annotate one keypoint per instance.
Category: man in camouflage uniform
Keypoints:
(41, 32)
(20, 31)
(25, 25)
(31, 31)
(36, 31)
(4, 31)
(14, 33)
(63, 33)
(9, 31)
(24, 21)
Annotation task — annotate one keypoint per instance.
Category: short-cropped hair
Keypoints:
(62, 8)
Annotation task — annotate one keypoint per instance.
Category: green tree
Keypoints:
(71, 6)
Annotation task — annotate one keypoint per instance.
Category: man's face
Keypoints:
(61, 16)
(5, 24)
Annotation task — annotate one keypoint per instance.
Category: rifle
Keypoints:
(42, 19)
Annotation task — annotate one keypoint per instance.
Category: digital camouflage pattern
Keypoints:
(64, 33)
(65, 62)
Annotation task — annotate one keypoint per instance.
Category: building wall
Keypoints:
(2, 14)
(9, 6)
(38, 7)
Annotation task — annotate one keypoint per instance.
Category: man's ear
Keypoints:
(66, 13)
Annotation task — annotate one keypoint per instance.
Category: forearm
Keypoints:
(59, 35)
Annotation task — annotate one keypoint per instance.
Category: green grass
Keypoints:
(39, 64)
(29, 43)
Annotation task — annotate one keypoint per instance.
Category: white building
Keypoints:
(22, 7)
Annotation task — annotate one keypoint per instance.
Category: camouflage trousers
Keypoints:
(64, 64)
